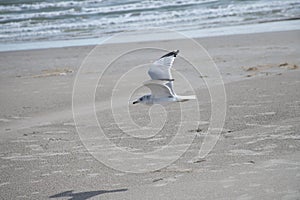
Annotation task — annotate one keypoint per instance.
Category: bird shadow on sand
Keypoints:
(85, 195)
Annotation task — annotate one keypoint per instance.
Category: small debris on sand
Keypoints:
(251, 69)
(283, 64)
(199, 161)
(157, 179)
(288, 66)
(198, 130)
(250, 75)
(203, 76)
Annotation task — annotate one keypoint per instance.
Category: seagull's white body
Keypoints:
(161, 85)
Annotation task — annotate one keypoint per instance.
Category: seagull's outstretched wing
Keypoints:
(159, 89)
(161, 69)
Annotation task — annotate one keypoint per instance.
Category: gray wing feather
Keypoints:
(161, 69)
(159, 89)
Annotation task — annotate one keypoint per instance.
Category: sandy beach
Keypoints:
(256, 157)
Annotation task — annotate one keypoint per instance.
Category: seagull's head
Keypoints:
(143, 99)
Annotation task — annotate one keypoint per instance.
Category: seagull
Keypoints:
(161, 83)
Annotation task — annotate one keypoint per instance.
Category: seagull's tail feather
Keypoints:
(185, 98)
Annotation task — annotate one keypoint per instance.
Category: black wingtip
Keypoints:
(173, 53)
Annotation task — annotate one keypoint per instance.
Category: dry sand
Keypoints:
(256, 157)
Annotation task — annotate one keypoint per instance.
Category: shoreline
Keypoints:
(158, 35)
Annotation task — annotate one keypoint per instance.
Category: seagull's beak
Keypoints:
(134, 102)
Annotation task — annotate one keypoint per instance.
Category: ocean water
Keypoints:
(51, 20)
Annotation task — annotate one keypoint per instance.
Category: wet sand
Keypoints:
(257, 155)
